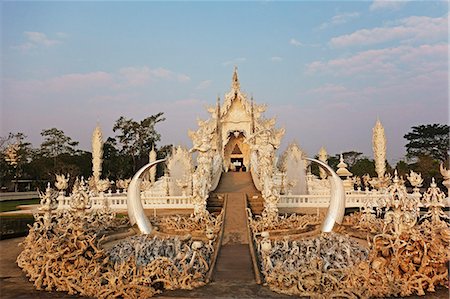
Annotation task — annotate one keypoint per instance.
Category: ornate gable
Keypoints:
(234, 121)
(236, 97)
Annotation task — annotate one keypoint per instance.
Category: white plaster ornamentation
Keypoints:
(48, 199)
(152, 158)
(228, 141)
(97, 153)
(180, 168)
(80, 200)
(201, 179)
(61, 182)
(323, 156)
(402, 210)
(292, 163)
(416, 181)
(48, 203)
(379, 148)
(434, 201)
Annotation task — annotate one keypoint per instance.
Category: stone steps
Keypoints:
(256, 203)
(235, 182)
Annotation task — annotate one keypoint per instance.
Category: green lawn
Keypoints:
(11, 205)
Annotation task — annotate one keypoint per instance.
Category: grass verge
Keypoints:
(11, 205)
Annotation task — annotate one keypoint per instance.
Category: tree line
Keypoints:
(427, 146)
(123, 154)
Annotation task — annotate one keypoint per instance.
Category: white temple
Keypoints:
(237, 138)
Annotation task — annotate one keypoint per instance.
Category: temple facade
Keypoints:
(235, 126)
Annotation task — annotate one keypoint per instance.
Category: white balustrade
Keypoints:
(353, 199)
(119, 202)
(356, 199)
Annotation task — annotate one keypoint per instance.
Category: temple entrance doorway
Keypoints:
(236, 153)
(238, 164)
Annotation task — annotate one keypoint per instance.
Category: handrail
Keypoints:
(219, 241)
(251, 246)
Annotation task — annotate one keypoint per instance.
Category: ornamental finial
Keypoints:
(235, 82)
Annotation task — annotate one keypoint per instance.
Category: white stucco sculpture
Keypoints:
(379, 149)
(135, 209)
(180, 168)
(97, 153)
(292, 163)
(323, 156)
(336, 210)
(152, 158)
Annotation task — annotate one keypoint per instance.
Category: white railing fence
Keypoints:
(353, 199)
(118, 201)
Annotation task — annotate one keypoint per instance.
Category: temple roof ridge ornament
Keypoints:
(235, 94)
(235, 85)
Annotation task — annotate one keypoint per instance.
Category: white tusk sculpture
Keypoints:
(135, 209)
(336, 209)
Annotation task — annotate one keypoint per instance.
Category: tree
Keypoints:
(351, 157)
(56, 143)
(115, 165)
(15, 153)
(429, 168)
(428, 140)
(403, 168)
(137, 138)
(363, 166)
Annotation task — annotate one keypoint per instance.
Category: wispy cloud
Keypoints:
(387, 4)
(395, 61)
(163, 73)
(276, 58)
(295, 42)
(136, 76)
(339, 19)
(140, 76)
(203, 85)
(38, 39)
(407, 30)
(62, 35)
(127, 78)
(234, 61)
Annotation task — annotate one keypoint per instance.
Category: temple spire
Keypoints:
(235, 82)
(252, 116)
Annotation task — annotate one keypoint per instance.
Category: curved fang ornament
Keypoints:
(336, 209)
(134, 204)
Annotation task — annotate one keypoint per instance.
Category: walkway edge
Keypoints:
(251, 246)
(219, 242)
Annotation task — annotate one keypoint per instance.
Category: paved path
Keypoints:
(234, 262)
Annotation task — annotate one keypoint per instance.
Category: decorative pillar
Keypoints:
(323, 156)
(152, 158)
(97, 153)
(379, 149)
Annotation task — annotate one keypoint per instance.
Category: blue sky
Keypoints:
(326, 69)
